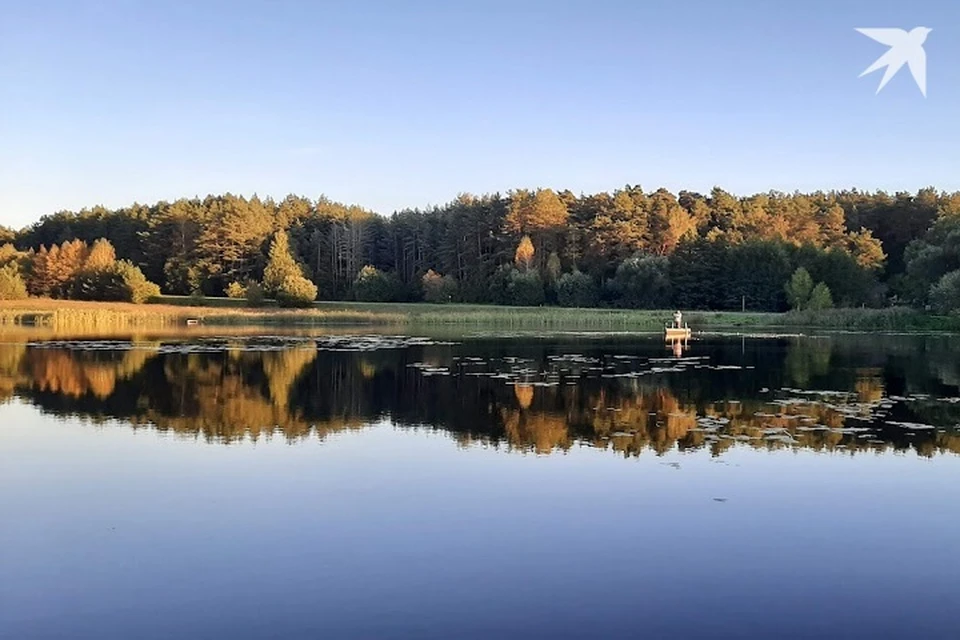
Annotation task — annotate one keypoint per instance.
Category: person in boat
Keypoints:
(677, 319)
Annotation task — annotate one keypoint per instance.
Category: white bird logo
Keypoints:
(905, 48)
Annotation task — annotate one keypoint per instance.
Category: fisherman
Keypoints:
(677, 318)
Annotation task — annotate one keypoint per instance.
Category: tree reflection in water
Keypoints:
(630, 395)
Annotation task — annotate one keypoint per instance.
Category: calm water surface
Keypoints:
(371, 486)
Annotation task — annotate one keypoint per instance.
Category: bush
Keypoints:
(525, 288)
(437, 288)
(373, 285)
(137, 288)
(120, 282)
(197, 298)
(236, 291)
(577, 289)
(254, 294)
(12, 286)
(945, 294)
(642, 283)
(296, 291)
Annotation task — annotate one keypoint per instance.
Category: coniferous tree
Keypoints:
(280, 264)
(721, 250)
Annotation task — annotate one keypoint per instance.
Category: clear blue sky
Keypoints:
(394, 104)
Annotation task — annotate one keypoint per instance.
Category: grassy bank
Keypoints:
(71, 315)
(65, 315)
(892, 319)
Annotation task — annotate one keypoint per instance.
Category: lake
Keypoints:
(364, 485)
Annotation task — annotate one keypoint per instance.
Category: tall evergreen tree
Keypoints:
(280, 264)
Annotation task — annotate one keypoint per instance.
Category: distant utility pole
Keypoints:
(743, 303)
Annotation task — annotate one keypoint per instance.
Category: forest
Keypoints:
(627, 249)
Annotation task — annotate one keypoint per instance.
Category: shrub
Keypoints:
(373, 285)
(525, 288)
(236, 291)
(120, 282)
(254, 294)
(945, 294)
(12, 286)
(197, 298)
(577, 289)
(296, 291)
(137, 288)
(437, 288)
(642, 282)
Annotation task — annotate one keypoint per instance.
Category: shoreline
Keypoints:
(223, 312)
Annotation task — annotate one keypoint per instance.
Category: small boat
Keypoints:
(678, 329)
(192, 322)
(673, 333)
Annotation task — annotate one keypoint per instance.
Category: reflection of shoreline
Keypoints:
(629, 404)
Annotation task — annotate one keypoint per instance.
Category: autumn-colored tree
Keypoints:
(236, 291)
(12, 286)
(670, 223)
(43, 271)
(70, 262)
(523, 256)
(541, 216)
(8, 254)
(280, 264)
(866, 249)
(296, 291)
(101, 256)
(229, 246)
(532, 213)
(717, 245)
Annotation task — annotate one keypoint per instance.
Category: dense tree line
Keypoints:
(628, 248)
(73, 270)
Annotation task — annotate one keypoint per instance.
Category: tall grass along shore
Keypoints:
(171, 313)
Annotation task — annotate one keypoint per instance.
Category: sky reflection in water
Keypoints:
(544, 488)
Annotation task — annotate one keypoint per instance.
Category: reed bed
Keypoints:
(92, 317)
